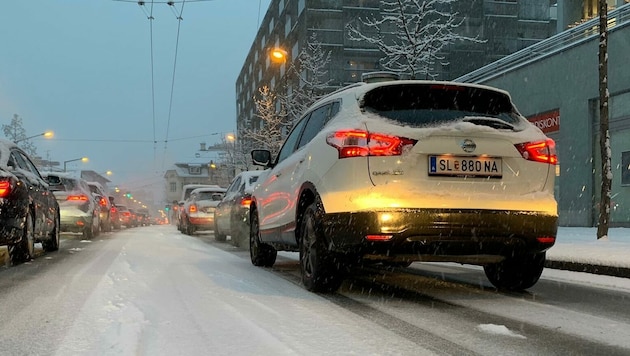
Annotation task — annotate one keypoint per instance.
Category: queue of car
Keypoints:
(36, 207)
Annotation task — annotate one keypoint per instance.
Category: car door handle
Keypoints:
(278, 175)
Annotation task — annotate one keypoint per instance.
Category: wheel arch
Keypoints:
(308, 195)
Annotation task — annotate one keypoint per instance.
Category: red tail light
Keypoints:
(126, 213)
(77, 197)
(5, 188)
(540, 151)
(246, 202)
(358, 143)
(103, 202)
(113, 209)
(192, 208)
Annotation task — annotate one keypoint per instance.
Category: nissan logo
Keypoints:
(468, 146)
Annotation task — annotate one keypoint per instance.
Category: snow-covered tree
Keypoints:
(276, 110)
(604, 129)
(306, 79)
(272, 122)
(411, 34)
(15, 132)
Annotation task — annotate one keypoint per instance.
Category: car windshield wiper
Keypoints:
(490, 122)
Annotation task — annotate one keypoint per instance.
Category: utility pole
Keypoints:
(604, 134)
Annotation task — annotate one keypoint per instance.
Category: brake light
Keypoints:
(113, 209)
(192, 208)
(77, 197)
(358, 143)
(5, 188)
(246, 202)
(540, 151)
(103, 202)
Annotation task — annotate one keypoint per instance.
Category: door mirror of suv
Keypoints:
(261, 157)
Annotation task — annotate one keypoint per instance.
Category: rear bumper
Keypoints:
(203, 222)
(466, 236)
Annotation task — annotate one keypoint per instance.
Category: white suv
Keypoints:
(402, 171)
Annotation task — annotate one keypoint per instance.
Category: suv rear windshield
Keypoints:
(431, 104)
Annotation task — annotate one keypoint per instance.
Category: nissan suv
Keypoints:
(407, 170)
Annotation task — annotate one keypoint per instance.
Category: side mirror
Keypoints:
(261, 157)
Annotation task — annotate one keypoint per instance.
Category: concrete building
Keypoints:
(556, 84)
(505, 26)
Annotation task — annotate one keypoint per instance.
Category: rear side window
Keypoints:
(435, 104)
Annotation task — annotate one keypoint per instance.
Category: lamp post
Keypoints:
(82, 159)
(47, 134)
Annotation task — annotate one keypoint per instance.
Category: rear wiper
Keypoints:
(490, 122)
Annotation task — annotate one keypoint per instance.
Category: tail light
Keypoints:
(539, 151)
(113, 209)
(192, 208)
(358, 143)
(5, 188)
(80, 197)
(103, 202)
(246, 202)
(126, 213)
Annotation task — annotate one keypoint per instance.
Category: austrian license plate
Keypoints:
(448, 165)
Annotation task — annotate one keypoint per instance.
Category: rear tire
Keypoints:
(88, 231)
(322, 270)
(190, 230)
(218, 236)
(261, 254)
(52, 244)
(24, 250)
(517, 272)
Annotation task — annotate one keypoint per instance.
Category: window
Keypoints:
(625, 168)
(194, 170)
(289, 145)
(172, 186)
(318, 119)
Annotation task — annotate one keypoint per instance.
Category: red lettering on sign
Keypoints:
(548, 121)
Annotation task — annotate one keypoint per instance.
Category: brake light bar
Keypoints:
(81, 197)
(5, 188)
(539, 151)
(360, 143)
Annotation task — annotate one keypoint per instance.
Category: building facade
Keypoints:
(504, 26)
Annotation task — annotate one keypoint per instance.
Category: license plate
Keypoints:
(447, 165)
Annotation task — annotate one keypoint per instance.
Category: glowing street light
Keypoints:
(278, 55)
(47, 134)
(82, 159)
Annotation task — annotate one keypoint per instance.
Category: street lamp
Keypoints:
(47, 134)
(278, 55)
(82, 159)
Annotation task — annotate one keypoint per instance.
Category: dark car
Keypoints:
(79, 210)
(100, 194)
(231, 216)
(29, 212)
(124, 215)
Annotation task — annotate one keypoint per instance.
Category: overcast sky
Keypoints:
(82, 68)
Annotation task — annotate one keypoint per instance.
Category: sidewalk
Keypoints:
(577, 249)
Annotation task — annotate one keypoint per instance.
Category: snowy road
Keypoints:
(155, 291)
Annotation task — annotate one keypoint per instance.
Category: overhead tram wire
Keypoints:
(170, 106)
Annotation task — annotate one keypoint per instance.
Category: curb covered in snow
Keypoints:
(589, 268)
